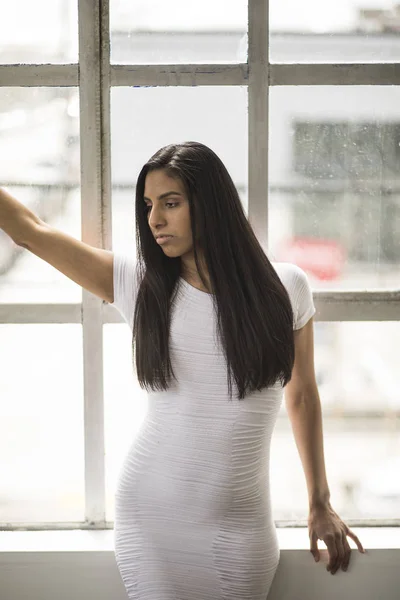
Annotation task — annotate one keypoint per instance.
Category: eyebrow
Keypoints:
(162, 196)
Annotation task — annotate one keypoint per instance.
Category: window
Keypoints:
(40, 149)
(27, 37)
(334, 179)
(347, 150)
(75, 128)
(41, 439)
(177, 32)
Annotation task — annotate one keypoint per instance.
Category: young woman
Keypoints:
(218, 332)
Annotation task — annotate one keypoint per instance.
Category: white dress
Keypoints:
(193, 511)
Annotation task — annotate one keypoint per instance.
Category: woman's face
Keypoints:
(169, 214)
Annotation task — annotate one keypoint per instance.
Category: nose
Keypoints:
(155, 218)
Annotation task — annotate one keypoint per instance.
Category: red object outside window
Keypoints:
(324, 259)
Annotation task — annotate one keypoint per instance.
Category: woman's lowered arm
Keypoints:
(304, 410)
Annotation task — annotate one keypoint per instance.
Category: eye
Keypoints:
(147, 207)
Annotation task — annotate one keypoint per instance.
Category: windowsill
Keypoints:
(381, 538)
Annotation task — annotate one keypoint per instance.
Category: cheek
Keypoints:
(184, 223)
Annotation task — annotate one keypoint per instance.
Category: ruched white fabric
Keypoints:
(193, 514)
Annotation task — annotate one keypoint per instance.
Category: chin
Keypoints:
(171, 251)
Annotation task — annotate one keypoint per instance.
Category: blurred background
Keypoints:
(334, 209)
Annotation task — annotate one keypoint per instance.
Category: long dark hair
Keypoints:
(255, 317)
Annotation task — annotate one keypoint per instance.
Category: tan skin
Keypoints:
(171, 215)
(323, 522)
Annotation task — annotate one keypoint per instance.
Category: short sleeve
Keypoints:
(298, 287)
(303, 303)
(125, 286)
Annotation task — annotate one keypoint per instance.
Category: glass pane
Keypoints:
(155, 31)
(40, 166)
(125, 405)
(41, 423)
(335, 184)
(44, 31)
(145, 119)
(332, 32)
(357, 377)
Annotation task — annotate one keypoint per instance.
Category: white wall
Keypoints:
(89, 574)
(94, 575)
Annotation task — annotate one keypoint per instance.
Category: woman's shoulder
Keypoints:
(289, 273)
(299, 290)
(125, 284)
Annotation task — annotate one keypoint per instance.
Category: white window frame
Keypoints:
(95, 76)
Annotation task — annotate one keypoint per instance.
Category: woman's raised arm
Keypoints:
(89, 267)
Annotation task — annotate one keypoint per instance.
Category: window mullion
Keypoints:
(335, 74)
(91, 219)
(105, 89)
(258, 112)
(179, 75)
(39, 75)
(357, 306)
(331, 306)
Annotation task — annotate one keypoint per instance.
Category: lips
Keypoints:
(164, 239)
